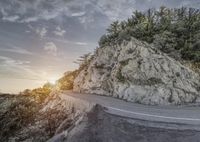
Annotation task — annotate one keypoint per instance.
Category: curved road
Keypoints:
(166, 114)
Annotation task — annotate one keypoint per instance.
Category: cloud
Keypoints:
(15, 49)
(10, 67)
(115, 9)
(59, 31)
(81, 43)
(65, 41)
(29, 19)
(11, 62)
(13, 18)
(189, 4)
(51, 48)
(3, 12)
(34, 10)
(78, 14)
(41, 32)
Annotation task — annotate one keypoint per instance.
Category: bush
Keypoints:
(165, 41)
(19, 114)
(67, 81)
(40, 94)
(51, 120)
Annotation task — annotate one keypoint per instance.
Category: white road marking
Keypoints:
(152, 115)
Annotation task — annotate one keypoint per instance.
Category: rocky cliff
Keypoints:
(137, 72)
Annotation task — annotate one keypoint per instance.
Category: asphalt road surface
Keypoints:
(181, 115)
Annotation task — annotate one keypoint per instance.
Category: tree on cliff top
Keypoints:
(171, 30)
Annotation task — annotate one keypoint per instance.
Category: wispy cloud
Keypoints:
(32, 11)
(59, 31)
(11, 67)
(6, 17)
(6, 61)
(13, 18)
(41, 32)
(78, 14)
(51, 48)
(15, 49)
(81, 43)
(68, 42)
(20, 69)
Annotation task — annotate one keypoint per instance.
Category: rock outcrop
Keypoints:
(137, 72)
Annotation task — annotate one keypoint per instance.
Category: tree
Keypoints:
(67, 81)
(48, 85)
(40, 94)
(104, 40)
(137, 17)
(165, 41)
(192, 53)
(171, 30)
(84, 60)
(114, 28)
(26, 92)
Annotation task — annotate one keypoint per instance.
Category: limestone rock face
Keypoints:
(137, 72)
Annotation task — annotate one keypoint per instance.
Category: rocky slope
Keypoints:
(23, 120)
(137, 72)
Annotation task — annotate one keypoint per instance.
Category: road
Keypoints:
(166, 114)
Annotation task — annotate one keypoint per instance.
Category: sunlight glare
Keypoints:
(52, 80)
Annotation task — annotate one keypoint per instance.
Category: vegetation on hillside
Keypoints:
(18, 111)
(22, 118)
(39, 94)
(67, 81)
(173, 31)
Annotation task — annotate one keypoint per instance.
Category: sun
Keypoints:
(52, 80)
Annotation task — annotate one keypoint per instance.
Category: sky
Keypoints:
(41, 39)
